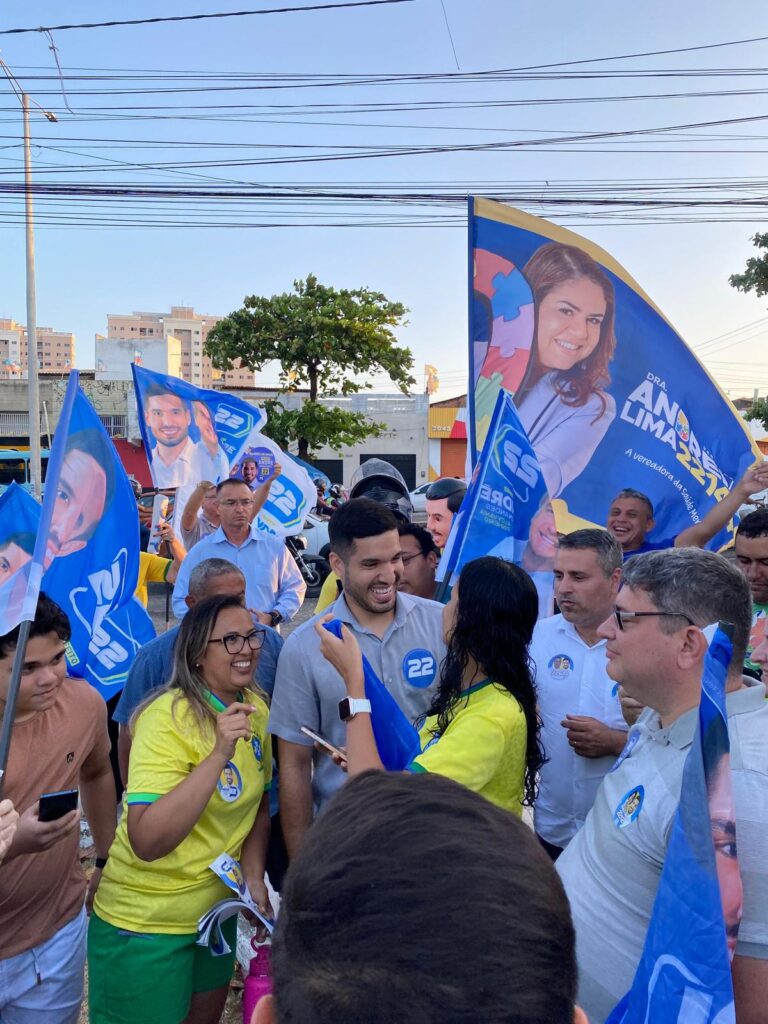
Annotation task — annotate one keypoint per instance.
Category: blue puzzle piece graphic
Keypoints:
(511, 292)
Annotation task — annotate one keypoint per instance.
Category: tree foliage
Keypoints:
(322, 338)
(757, 411)
(318, 425)
(755, 277)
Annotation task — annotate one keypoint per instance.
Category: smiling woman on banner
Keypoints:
(482, 729)
(200, 769)
(546, 334)
(562, 400)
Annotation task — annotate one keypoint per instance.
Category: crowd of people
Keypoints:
(404, 896)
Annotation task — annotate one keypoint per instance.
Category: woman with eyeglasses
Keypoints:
(200, 769)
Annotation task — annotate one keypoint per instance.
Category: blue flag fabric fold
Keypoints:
(396, 738)
(26, 529)
(684, 974)
(506, 511)
(92, 551)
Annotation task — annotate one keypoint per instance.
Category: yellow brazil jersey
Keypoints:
(329, 592)
(483, 746)
(169, 895)
(152, 569)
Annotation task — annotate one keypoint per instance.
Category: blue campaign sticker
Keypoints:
(258, 753)
(560, 666)
(629, 807)
(615, 690)
(629, 746)
(420, 668)
(264, 461)
(230, 784)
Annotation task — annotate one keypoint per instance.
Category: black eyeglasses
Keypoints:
(235, 642)
(623, 617)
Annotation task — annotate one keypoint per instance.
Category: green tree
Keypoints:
(757, 411)
(755, 277)
(322, 338)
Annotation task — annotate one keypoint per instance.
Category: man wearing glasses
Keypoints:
(274, 588)
(420, 558)
(611, 868)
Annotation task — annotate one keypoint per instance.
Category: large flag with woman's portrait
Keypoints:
(608, 392)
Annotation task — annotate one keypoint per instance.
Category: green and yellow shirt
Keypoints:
(483, 746)
(169, 895)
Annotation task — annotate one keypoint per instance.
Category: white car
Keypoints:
(316, 531)
(419, 497)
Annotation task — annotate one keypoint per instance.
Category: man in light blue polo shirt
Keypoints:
(401, 635)
(274, 587)
(611, 868)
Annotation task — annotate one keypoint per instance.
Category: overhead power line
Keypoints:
(205, 17)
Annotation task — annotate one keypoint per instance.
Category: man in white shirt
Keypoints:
(582, 731)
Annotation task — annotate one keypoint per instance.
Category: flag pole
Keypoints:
(13, 697)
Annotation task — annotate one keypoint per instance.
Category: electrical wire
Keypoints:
(205, 17)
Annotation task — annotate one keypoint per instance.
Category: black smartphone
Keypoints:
(55, 805)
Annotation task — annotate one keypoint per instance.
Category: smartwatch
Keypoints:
(275, 619)
(351, 706)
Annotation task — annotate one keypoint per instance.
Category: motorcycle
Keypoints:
(313, 568)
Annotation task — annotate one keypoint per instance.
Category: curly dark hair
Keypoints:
(497, 609)
(550, 266)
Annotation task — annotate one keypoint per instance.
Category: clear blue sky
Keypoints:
(84, 273)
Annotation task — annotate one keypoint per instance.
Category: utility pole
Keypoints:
(32, 366)
(32, 377)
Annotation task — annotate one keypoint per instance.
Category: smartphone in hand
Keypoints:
(323, 742)
(55, 805)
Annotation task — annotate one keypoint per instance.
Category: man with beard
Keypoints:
(174, 459)
(401, 636)
(582, 728)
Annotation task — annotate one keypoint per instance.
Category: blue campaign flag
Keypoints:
(506, 511)
(24, 533)
(607, 391)
(396, 739)
(19, 521)
(193, 434)
(92, 550)
(684, 975)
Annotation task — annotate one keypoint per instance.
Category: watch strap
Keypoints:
(351, 706)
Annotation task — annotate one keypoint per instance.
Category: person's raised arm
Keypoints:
(195, 503)
(700, 534)
(157, 828)
(345, 656)
(175, 547)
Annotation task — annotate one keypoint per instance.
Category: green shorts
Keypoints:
(136, 978)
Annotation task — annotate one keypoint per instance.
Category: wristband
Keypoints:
(101, 863)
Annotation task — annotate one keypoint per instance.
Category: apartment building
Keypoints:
(169, 342)
(55, 350)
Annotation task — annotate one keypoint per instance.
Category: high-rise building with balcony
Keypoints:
(170, 343)
(55, 350)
